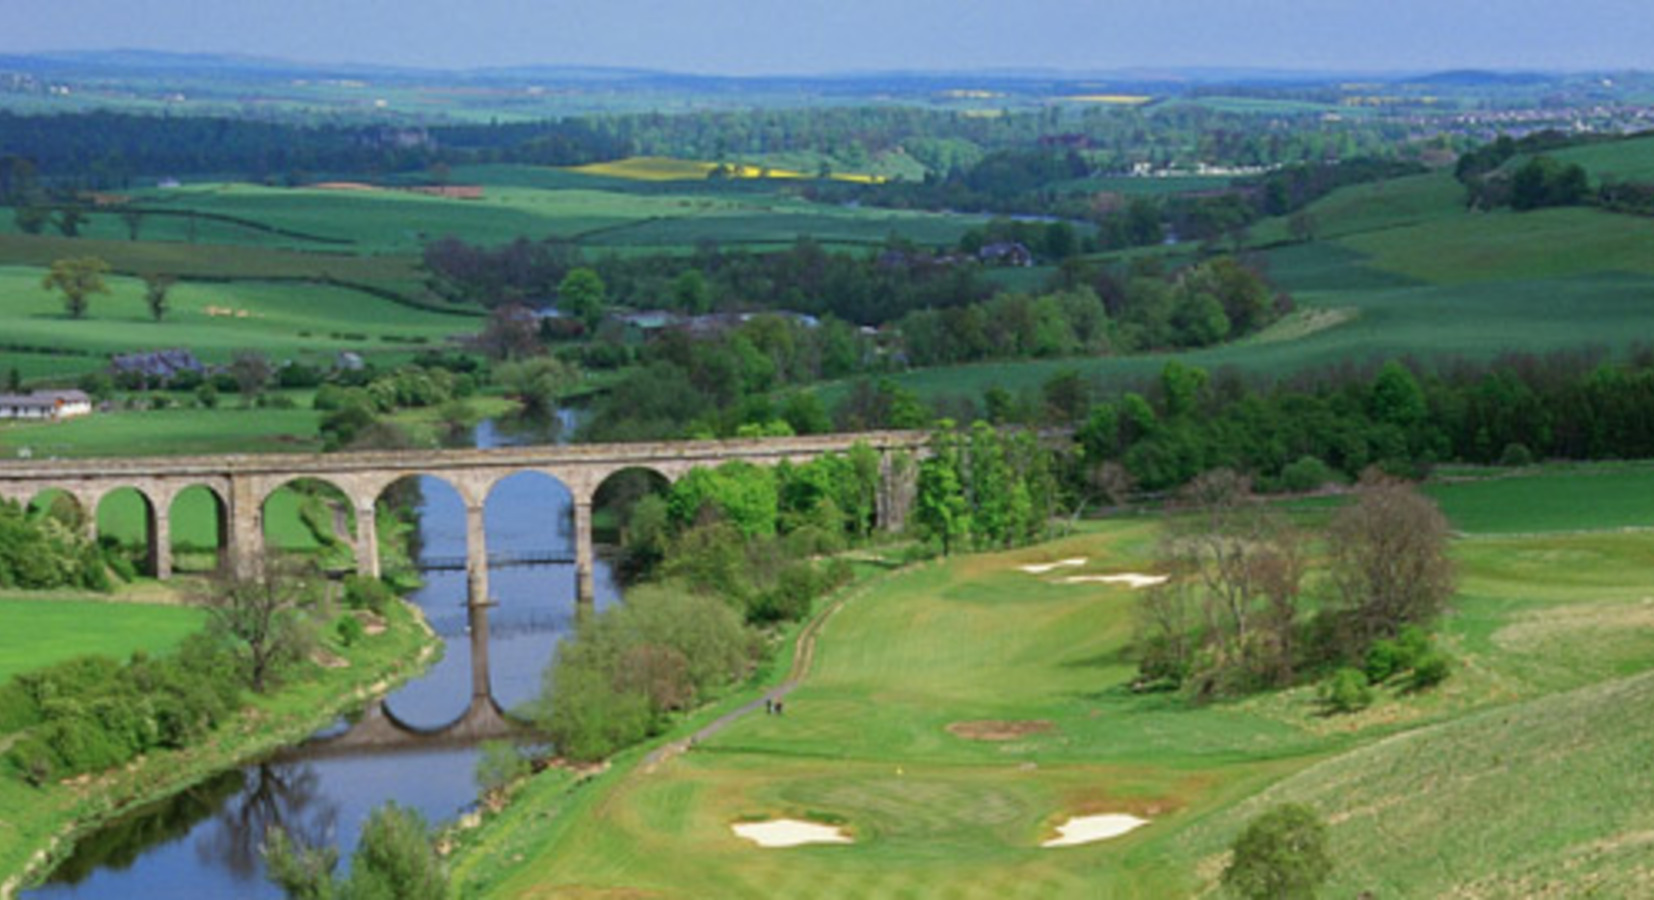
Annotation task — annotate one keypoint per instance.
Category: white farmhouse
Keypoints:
(45, 405)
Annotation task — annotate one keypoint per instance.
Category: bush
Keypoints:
(363, 592)
(1307, 473)
(1347, 691)
(1383, 661)
(499, 764)
(1431, 669)
(1516, 455)
(349, 629)
(1281, 855)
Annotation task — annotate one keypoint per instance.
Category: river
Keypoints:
(204, 841)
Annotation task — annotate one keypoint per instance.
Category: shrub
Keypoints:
(349, 629)
(1383, 661)
(499, 764)
(1307, 473)
(1516, 455)
(363, 592)
(1431, 669)
(1281, 855)
(1347, 691)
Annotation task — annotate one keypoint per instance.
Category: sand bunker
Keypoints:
(993, 730)
(790, 833)
(1087, 829)
(1130, 579)
(1042, 568)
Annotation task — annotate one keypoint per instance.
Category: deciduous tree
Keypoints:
(76, 278)
(268, 615)
(156, 288)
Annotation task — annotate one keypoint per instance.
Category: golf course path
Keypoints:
(806, 646)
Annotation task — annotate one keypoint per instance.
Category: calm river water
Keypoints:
(204, 842)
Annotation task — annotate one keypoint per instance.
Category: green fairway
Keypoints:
(35, 633)
(877, 739)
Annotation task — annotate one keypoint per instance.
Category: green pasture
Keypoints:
(1530, 760)
(1511, 247)
(1631, 159)
(193, 430)
(308, 322)
(397, 275)
(35, 632)
(523, 202)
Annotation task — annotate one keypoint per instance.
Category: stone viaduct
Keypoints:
(241, 483)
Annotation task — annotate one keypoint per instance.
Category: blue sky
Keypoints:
(812, 36)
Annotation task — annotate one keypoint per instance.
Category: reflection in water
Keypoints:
(285, 796)
(203, 842)
(117, 846)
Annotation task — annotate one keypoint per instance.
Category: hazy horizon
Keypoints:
(809, 37)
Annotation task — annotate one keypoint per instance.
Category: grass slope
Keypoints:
(1546, 799)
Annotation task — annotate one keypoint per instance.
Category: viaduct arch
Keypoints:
(241, 484)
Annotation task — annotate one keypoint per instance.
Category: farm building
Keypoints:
(45, 405)
(161, 365)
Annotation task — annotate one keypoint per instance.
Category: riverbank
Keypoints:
(40, 825)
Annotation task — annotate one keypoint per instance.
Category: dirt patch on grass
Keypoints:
(996, 730)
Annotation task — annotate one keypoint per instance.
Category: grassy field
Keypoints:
(165, 432)
(36, 632)
(203, 261)
(1542, 730)
(1627, 160)
(378, 230)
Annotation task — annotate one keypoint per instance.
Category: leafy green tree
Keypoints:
(691, 293)
(581, 294)
(31, 219)
(134, 221)
(1281, 855)
(537, 383)
(155, 293)
(940, 507)
(69, 221)
(76, 278)
(740, 493)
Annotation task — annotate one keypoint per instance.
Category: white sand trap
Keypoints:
(1042, 568)
(1086, 829)
(1130, 579)
(790, 833)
